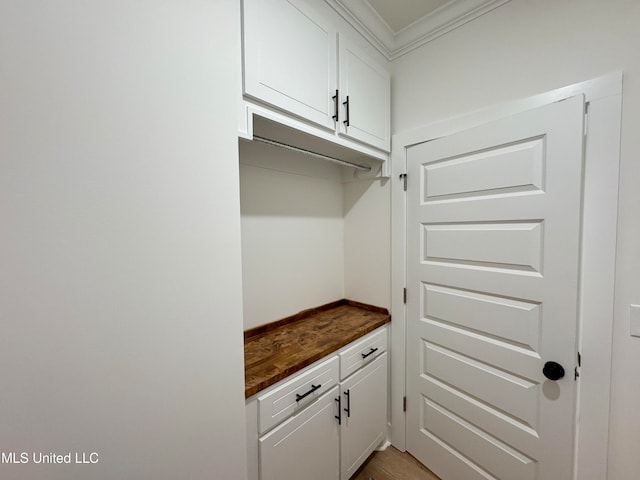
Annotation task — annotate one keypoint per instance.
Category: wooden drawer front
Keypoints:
(280, 403)
(371, 346)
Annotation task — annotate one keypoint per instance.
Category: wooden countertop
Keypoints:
(276, 350)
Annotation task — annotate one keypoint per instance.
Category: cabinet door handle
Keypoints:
(313, 389)
(371, 352)
(336, 109)
(346, 104)
(339, 415)
(348, 409)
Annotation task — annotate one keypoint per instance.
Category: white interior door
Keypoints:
(493, 219)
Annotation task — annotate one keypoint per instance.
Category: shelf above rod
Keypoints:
(320, 156)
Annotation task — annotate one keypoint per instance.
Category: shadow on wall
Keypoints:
(355, 190)
(276, 182)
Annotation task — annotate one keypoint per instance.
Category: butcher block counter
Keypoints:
(274, 351)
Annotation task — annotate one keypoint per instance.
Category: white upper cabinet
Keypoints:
(365, 93)
(290, 58)
(300, 62)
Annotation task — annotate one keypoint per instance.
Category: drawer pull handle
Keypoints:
(348, 409)
(313, 389)
(371, 352)
(339, 415)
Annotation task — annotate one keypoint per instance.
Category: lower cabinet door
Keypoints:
(307, 446)
(364, 416)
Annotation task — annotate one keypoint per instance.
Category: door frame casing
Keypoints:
(597, 262)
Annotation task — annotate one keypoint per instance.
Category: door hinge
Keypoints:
(404, 295)
(403, 177)
(586, 119)
(404, 404)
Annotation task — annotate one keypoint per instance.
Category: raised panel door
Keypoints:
(494, 218)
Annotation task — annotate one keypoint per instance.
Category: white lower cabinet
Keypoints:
(305, 446)
(333, 424)
(364, 415)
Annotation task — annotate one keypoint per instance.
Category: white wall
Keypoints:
(524, 48)
(292, 233)
(367, 241)
(120, 287)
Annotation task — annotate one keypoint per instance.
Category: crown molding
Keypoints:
(392, 45)
(367, 22)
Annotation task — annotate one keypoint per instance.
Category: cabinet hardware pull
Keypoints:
(336, 109)
(313, 389)
(346, 104)
(371, 352)
(348, 409)
(339, 415)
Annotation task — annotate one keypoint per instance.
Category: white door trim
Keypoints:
(602, 155)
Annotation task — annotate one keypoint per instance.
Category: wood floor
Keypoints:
(391, 464)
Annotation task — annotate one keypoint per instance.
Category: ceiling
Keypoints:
(396, 27)
(399, 14)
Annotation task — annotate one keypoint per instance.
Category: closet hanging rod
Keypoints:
(285, 146)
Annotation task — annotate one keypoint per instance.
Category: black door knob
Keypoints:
(553, 371)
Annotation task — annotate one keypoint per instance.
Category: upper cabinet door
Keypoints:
(290, 58)
(365, 90)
